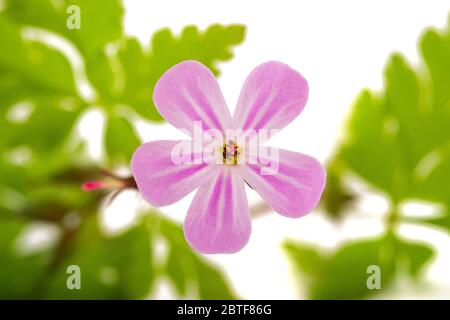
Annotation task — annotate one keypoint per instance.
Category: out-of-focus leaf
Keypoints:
(122, 266)
(399, 140)
(412, 256)
(129, 77)
(19, 271)
(48, 68)
(142, 68)
(138, 81)
(120, 69)
(47, 187)
(46, 128)
(442, 220)
(101, 23)
(422, 131)
(343, 274)
(190, 274)
(44, 125)
(34, 74)
(435, 48)
(121, 140)
(119, 267)
(212, 284)
(433, 183)
(209, 47)
(368, 144)
(337, 198)
(308, 260)
(34, 64)
(13, 53)
(53, 202)
(12, 176)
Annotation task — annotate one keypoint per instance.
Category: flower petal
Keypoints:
(294, 186)
(188, 92)
(218, 220)
(161, 178)
(272, 96)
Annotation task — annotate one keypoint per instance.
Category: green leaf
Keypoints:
(53, 202)
(34, 64)
(208, 47)
(212, 285)
(121, 70)
(12, 53)
(32, 73)
(48, 187)
(433, 184)
(19, 271)
(121, 140)
(43, 125)
(367, 144)
(128, 77)
(48, 68)
(142, 68)
(398, 140)
(39, 132)
(53, 16)
(119, 267)
(122, 266)
(435, 49)
(412, 256)
(344, 273)
(442, 220)
(138, 79)
(190, 274)
(309, 261)
(97, 30)
(337, 198)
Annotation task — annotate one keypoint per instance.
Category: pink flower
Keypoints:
(218, 220)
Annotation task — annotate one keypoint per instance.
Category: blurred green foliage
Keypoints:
(43, 160)
(343, 274)
(398, 142)
(126, 266)
(121, 70)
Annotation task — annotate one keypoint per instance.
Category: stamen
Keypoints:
(230, 152)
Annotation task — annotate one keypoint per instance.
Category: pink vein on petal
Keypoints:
(218, 220)
(188, 93)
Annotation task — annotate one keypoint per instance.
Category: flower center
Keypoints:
(230, 152)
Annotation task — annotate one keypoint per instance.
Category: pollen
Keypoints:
(230, 152)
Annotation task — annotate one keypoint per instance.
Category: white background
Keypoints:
(340, 47)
